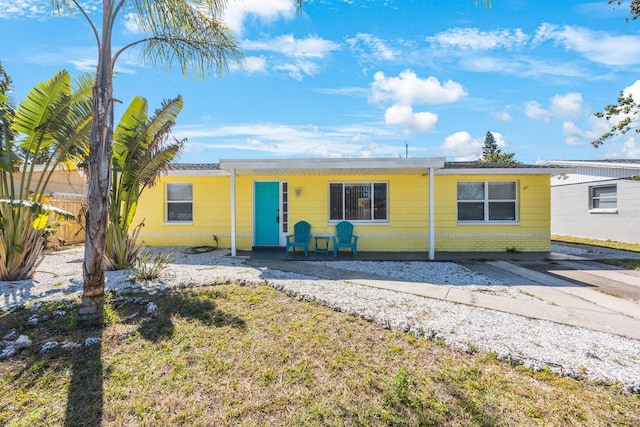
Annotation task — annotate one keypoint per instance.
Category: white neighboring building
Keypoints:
(601, 200)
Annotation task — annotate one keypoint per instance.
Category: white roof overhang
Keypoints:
(328, 166)
(197, 172)
(631, 164)
(506, 171)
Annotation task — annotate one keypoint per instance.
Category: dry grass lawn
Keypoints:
(233, 355)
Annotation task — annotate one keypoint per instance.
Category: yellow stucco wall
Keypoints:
(408, 210)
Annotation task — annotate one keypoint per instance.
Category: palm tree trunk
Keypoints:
(100, 152)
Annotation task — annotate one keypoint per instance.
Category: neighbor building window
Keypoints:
(604, 197)
(358, 201)
(179, 202)
(487, 201)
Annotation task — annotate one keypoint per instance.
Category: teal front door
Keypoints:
(267, 214)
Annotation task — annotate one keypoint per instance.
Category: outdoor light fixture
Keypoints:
(298, 191)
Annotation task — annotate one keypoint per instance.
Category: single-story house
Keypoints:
(600, 200)
(396, 204)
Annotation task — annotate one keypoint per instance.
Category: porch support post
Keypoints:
(432, 239)
(233, 212)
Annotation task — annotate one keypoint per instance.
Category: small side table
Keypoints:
(322, 249)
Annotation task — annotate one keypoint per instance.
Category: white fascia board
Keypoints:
(332, 163)
(197, 172)
(596, 164)
(506, 171)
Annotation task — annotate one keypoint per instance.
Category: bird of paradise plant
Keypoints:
(51, 126)
(141, 153)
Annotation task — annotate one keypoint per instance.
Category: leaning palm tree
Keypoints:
(141, 154)
(52, 124)
(186, 33)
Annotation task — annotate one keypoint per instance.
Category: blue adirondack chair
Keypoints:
(299, 238)
(344, 238)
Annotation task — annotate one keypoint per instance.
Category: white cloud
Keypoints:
(633, 90)
(568, 105)
(403, 115)
(375, 46)
(237, 12)
(534, 110)
(631, 149)
(12, 9)
(499, 138)
(599, 126)
(323, 151)
(252, 64)
(294, 56)
(299, 69)
(475, 39)
(489, 64)
(524, 66)
(85, 64)
(344, 91)
(627, 149)
(297, 55)
(574, 136)
(597, 46)
(311, 47)
(354, 140)
(462, 146)
(408, 89)
(131, 24)
(40, 9)
(544, 32)
(503, 116)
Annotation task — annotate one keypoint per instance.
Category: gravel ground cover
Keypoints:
(538, 344)
(445, 273)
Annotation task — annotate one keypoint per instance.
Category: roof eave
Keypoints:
(323, 166)
(608, 165)
(507, 171)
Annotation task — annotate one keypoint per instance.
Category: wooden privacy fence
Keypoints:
(69, 231)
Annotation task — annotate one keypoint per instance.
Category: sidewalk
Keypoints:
(570, 301)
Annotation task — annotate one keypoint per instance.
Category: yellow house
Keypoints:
(395, 204)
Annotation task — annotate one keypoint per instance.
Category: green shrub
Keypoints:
(150, 267)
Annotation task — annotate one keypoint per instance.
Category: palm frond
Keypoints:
(127, 135)
(35, 112)
(140, 155)
(38, 208)
(163, 120)
(192, 38)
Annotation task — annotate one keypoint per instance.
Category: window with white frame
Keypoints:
(487, 201)
(359, 201)
(603, 197)
(179, 202)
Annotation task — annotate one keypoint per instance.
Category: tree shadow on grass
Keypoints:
(85, 398)
(45, 368)
(85, 395)
(194, 306)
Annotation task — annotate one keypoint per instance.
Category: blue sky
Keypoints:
(367, 78)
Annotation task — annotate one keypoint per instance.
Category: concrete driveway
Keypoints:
(573, 288)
